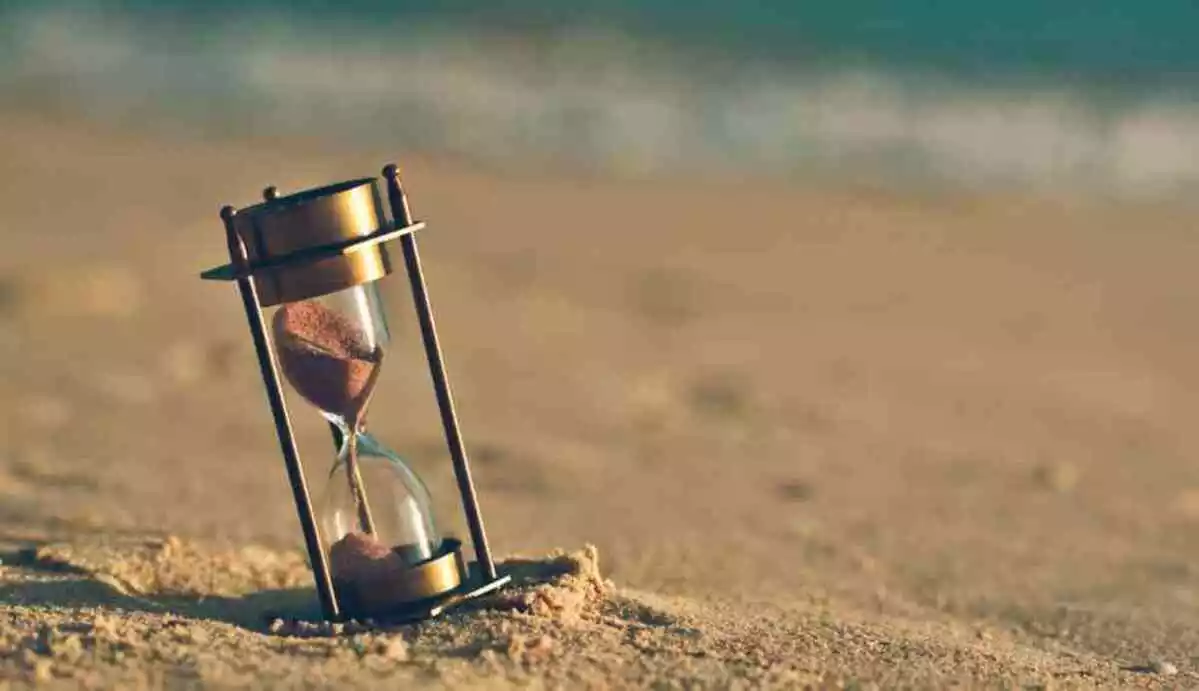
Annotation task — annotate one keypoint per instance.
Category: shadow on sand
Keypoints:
(53, 583)
(57, 584)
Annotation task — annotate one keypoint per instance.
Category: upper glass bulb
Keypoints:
(331, 350)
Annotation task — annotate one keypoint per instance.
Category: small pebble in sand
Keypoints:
(298, 628)
(528, 650)
(391, 648)
(1060, 477)
(1163, 668)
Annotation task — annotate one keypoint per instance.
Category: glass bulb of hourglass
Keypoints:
(375, 512)
(396, 499)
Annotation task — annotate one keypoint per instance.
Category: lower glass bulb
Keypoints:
(383, 528)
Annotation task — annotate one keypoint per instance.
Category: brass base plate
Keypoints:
(431, 580)
(435, 607)
(413, 613)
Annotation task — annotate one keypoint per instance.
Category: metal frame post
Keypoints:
(330, 608)
(402, 216)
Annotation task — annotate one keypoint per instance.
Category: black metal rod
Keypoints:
(445, 401)
(287, 442)
(270, 194)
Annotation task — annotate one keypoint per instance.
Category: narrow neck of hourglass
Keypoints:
(343, 430)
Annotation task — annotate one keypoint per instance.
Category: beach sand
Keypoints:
(818, 434)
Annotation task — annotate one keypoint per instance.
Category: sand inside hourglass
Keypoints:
(328, 359)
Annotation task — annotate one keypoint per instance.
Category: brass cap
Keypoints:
(314, 242)
(437, 577)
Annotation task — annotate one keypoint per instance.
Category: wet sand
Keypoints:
(820, 434)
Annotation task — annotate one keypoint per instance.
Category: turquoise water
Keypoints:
(1098, 95)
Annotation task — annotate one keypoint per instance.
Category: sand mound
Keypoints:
(565, 587)
(173, 567)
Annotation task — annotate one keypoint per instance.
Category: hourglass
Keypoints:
(307, 266)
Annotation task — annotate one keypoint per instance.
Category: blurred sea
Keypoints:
(1097, 95)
